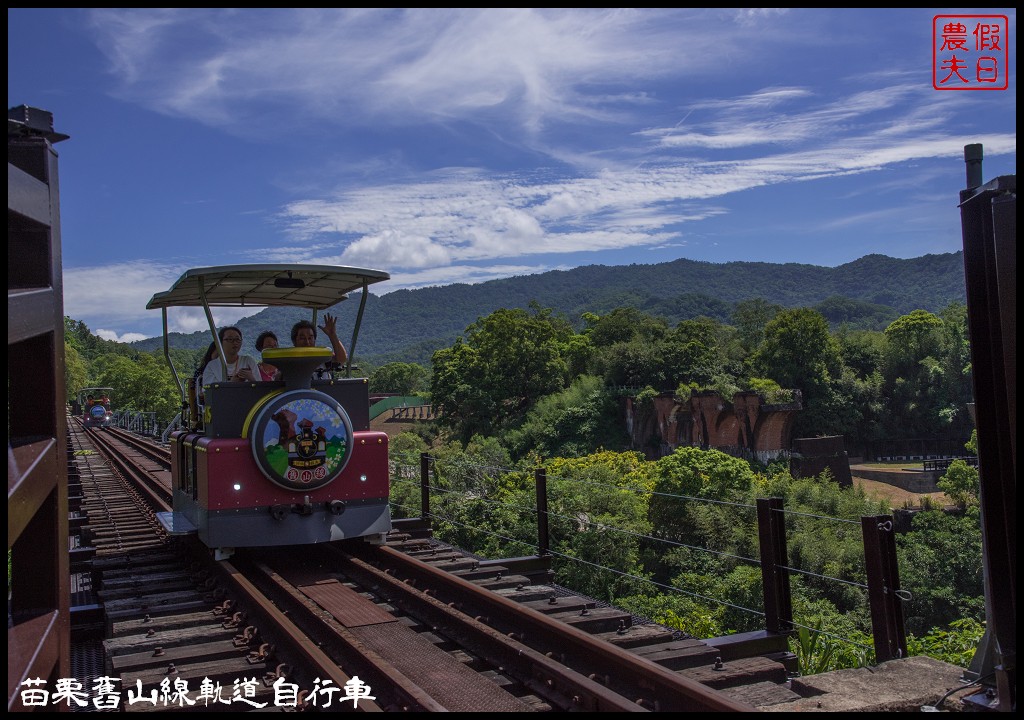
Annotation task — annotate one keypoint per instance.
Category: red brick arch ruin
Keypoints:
(746, 427)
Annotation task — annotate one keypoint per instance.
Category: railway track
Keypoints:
(418, 625)
(155, 616)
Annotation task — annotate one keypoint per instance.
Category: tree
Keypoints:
(690, 473)
(961, 484)
(486, 382)
(861, 350)
(400, 378)
(926, 374)
(972, 445)
(623, 324)
(911, 338)
(598, 514)
(576, 421)
(625, 347)
(750, 318)
(634, 364)
(799, 352)
(75, 371)
(142, 383)
(940, 565)
(703, 353)
(955, 355)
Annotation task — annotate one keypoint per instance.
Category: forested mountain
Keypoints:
(408, 325)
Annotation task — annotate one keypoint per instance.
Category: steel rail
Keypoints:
(607, 667)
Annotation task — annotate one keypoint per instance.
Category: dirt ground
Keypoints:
(896, 495)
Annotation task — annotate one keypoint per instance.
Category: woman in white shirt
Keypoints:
(241, 368)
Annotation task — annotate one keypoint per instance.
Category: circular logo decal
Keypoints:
(97, 411)
(302, 439)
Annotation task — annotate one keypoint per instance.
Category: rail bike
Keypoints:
(282, 462)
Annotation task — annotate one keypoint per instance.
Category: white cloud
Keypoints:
(112, 335)
(398, 65)
(463, 217)
(393, 248)
(117, 295)
(468, 274)
(190, 319)
(115, 292)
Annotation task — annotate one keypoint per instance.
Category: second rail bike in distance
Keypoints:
(94, 407)
(284, 462)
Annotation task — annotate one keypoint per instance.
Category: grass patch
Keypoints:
(911, 464)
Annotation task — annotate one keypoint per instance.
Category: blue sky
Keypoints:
(448, 145)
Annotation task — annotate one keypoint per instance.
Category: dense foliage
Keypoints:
(509, 358)
(523, 375)
(141, 381)
(676, 540)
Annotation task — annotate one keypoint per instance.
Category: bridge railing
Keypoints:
(394, 401)
(142, 423)
(940, 464)
(414, 412)
(174, 424)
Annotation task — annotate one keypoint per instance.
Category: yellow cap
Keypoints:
(297, 352)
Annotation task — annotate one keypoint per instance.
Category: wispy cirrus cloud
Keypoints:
(404, 65)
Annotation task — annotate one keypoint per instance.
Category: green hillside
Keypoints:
(408, 325)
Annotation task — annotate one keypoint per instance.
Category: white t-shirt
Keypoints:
(212, 373)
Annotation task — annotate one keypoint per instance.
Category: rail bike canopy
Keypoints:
(311, 286)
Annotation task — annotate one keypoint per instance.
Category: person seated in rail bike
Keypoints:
(240, 368)
(196, 389)
(267, 340)
(304, 335)
(210, 354)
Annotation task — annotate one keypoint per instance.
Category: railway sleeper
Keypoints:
(160, 656)
(546, 606)
(743, 671)
(180, 605)
(170, 638)
(603, 619)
